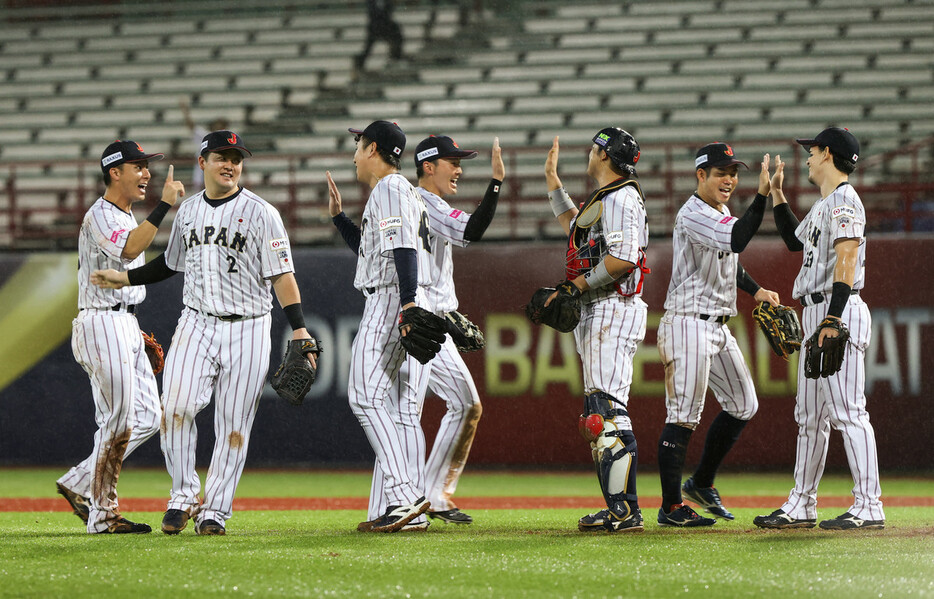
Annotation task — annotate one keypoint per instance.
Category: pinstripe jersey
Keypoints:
(703, 272)
(394, 217)
(838, 216)
(101, 240)
(447, 226)
(623, 229)
(228, 252)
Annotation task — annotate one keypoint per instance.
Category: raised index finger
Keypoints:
(170, 176)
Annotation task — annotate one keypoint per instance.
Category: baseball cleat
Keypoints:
(124, 526)
(366, 526)
(210, 528)
(454, 516)
(174, 521)
(706, 497)
(80, 504)
(397, 516)
(848, 521)
(683, 517)
(779, 519)
(416, 526)
(611, 521)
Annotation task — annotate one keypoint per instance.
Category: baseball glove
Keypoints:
(154, 352)
(424, 334)
(295, 375)
(781, 327)
(466, 335)
(827, 360)
(563, 313)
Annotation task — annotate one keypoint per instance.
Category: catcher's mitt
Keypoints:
(424, 333)
(295, 375)
(781, 327)
(154, 352)
(563, 313)
(827, 360)
(466, 335)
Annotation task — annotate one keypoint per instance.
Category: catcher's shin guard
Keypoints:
(614, 450)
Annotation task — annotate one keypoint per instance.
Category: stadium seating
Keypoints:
(679, 73)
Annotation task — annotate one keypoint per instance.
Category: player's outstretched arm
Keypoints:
(335, 205)
(785, 220)
(499, 168)
(141, 237)
(765, 181)
(481, 218)
(109, 279)
(348, 230)
(606, 273)
(561, 204)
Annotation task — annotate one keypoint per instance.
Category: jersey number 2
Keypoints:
(232, 264)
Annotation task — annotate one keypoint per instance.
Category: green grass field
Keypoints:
(506, 553)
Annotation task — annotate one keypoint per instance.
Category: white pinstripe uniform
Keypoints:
(394, 217)
(613, 323)
(228, 250)
(447, 376)
(108, 344)
(697, 352)
(837, 401)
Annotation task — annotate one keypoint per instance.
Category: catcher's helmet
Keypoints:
(620, 146)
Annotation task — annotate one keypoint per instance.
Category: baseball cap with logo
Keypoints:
(122, 151)
(440, 146)
(841, 142)
(716, 154)
(218, 141)
(385, 135)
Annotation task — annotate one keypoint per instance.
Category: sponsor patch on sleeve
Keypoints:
(614, 237)
(727, 219)
(116, 235)
(842, 211)
(455, 213)
(392, 222)
(279, 244)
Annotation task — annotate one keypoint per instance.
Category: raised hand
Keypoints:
(779, 177)
(765, 186)
(551, 166)
(499, 169)
(172, 190)
(334, 197)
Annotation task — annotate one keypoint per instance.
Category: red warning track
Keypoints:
(57, 504)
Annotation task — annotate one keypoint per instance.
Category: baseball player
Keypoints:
(393, 270)
(832, 241)
(106, 338)
(438, 168)
(607, 237)
(695, 344)
(234, 251)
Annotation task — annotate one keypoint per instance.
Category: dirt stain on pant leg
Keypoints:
(235, 440)
(107, 471)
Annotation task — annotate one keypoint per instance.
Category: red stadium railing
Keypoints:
(37, 216)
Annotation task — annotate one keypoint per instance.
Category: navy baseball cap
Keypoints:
(440, 146)
(219, 141)
(122, 151)
(385, 135)
(841, 142)
(716, 154)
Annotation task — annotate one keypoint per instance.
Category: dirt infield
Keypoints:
(57, 504)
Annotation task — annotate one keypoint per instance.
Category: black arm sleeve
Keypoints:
(786, 223)
(406, 260)
(152, 272)
(348, 230)
(483, 215)
(748, 224)
(744, 281)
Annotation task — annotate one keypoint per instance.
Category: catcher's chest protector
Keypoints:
(586, 245)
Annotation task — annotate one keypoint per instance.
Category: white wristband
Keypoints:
(599, 276)
(560, 201)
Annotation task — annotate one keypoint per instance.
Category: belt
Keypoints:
(227, 318)
(371, 290)
(816, 298)
(716, 319)
(124, 308)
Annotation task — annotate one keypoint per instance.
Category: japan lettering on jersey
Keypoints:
(394, 217)
(228, 251)
(101, 240)
(838, 216)
(703, 271)
(447, 227)
(621, 231)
